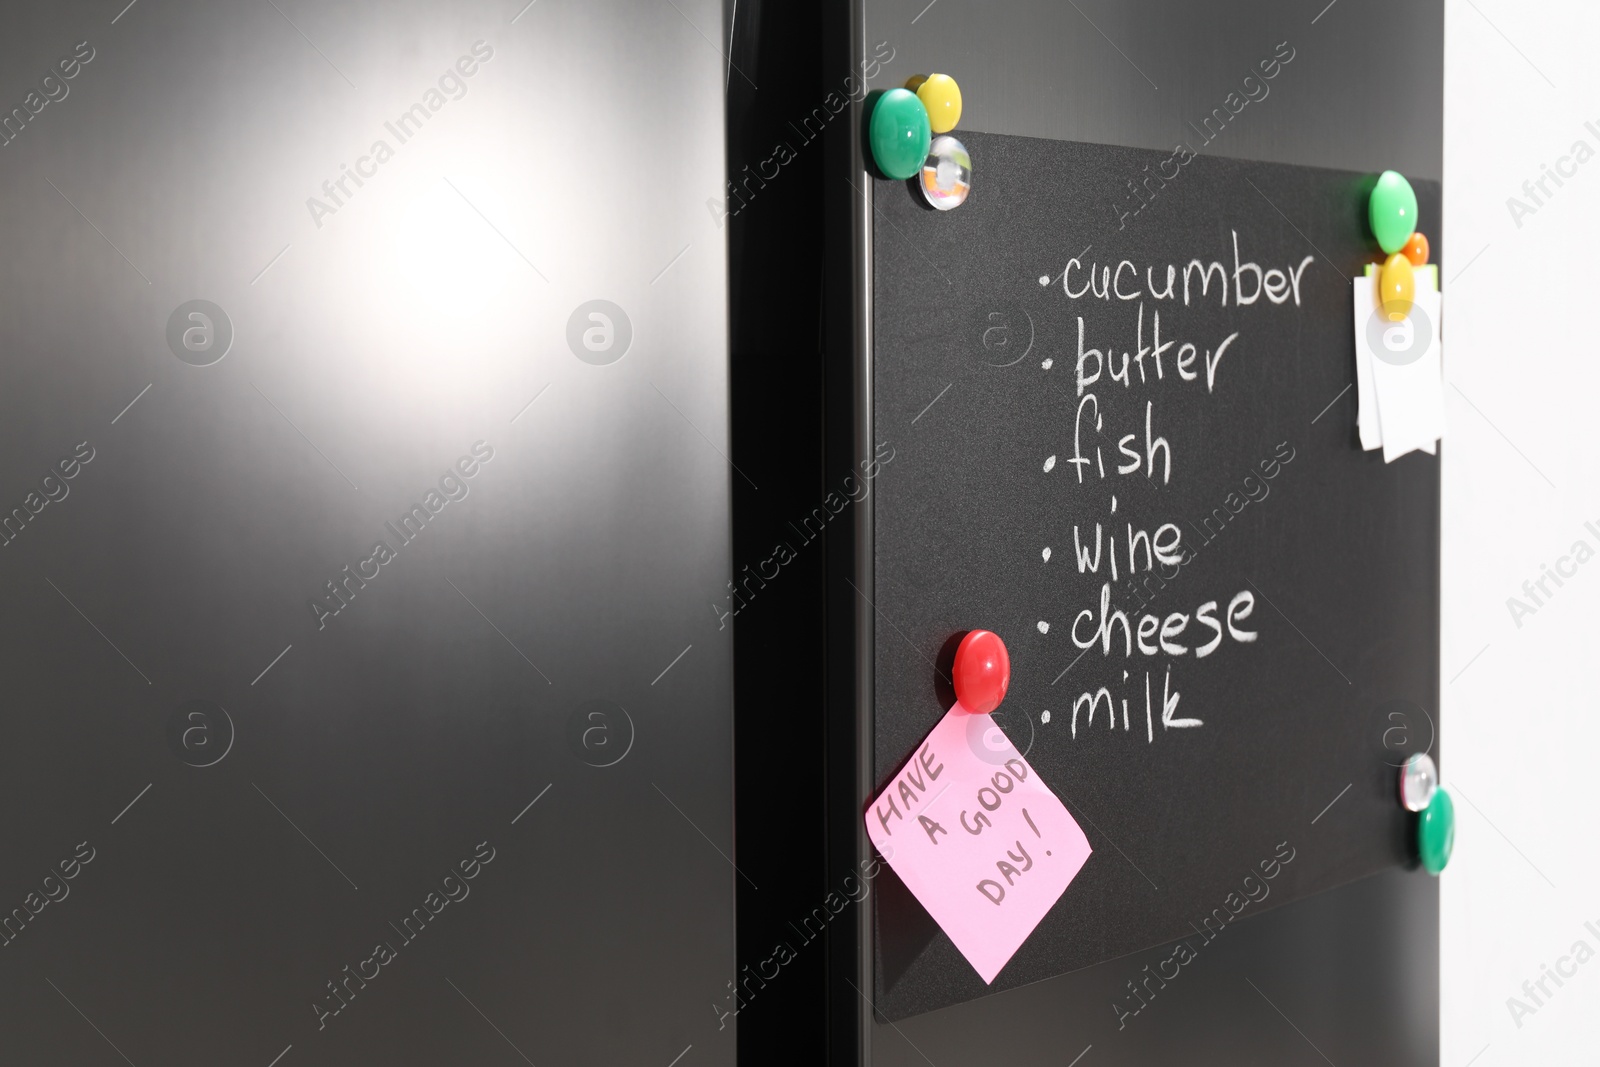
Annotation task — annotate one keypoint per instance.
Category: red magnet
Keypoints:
(982, 671)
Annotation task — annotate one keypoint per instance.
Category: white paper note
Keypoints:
(1399, 371)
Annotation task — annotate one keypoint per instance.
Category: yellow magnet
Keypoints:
(941, 95)
(1397, 287)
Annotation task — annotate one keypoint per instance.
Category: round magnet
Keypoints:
(1436, 832)
(941, 95)
(946, 173)
(1418, 781)
(982, 671)
(1397, 287)
(1416, 249)
(899, 133)
(1392, 211)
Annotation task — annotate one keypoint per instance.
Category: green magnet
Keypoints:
(1436, 833)
(900, 134)
(1392, 211)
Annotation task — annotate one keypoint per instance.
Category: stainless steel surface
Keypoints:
(1364, 91)
(536, 670)
(866, 440)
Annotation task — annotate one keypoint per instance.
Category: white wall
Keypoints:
(1521, 478)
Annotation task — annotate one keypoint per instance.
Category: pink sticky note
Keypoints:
(977, 837)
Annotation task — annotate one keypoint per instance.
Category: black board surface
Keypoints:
(1330, 679)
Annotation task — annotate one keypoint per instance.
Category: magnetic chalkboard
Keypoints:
(1305, 570)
